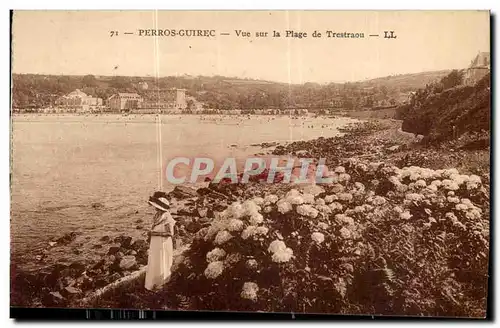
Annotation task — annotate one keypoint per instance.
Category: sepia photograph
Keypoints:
(286, 161)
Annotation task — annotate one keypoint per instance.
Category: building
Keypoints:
(78, 101)
(479, 67)
(168, 100)
(125, 102)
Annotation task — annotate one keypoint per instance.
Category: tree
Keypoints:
(453, 79)
(89, 81)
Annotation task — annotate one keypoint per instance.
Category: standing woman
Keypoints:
(161, 246)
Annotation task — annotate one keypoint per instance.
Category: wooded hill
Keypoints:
(218, 92)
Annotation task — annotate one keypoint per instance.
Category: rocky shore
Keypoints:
(281, 247)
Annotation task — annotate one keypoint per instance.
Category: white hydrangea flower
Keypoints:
(378, 200)
(436, 183)
(284, 206)
(267, 209)
(249, 291)
(455, 200)
(359, 186)
(473, 214)
(345, 233)
(215, 254)
(256, 218)
(323, 225)
(214, 269)
(282, 255)
(450, 185)
(330, 198)
(467, 202)
(250, 208)
(248, 232)
(235, 210)
(307, 210)
(251, 264)
(432, 188)
(398, 209)
(414, 197)
(258, 201)
(405, 215)
(261, 231)
(449, 172)
(461, 207)
(335, 206)
(337, 188)
(318, 237)
(235, 225)
(308, 198)
(420, 183)
(359, 209)
(346, 197)
(271, 199)
(276, 245)
(320, 201)
(344, 177)
(222, 237)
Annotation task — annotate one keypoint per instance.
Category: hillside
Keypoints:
(443, 115)
(218, 92)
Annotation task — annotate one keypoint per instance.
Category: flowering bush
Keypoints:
(381, 239)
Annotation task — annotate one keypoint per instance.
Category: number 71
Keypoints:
(113, 33)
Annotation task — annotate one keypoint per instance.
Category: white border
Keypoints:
(185, 4)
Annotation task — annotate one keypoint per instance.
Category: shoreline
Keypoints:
(370, 141)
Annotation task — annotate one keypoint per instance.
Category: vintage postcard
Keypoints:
(319, 162)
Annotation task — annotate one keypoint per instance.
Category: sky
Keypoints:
(80, 43)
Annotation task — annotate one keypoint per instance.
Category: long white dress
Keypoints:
(161, 251)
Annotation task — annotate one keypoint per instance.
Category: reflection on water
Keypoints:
(62, 165)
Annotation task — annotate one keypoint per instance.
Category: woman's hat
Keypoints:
(160, 201)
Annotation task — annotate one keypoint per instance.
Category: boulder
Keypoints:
(67, 238)
(139, 221)
(123, 240)
(113, 250)
(183, 192)
(128, 262)
(105, 239)
(139, 244)
(202, 212)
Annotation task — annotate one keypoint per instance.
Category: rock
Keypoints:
(119, 255)
(115, 276)
(123, 240)
(76, 251)
(53, 298)
(393, 148)
(202, 212)
(70, 291)
(52, 243)
(97, 205)
(183, 192)
(139, 227)
(128, 262)
(105, 238)
(97, 246)
(132, 252)
(67, 238)
(139, 221)
(113, 250)
(39, 257)
(187, 211)
(99, 264)
(142, 257)
(76, 269)
(138, 245)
